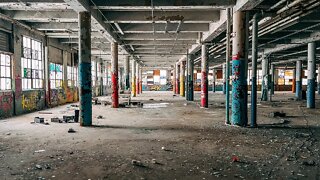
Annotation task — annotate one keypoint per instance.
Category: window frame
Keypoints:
(7, 77)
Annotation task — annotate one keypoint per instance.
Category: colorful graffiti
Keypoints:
(6, 103)
(30, 101)
(167, 87)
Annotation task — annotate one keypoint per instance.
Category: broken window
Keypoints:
(31, 64)
(72, 73)
(5, 71)
(56, 75)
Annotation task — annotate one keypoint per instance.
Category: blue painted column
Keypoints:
(311, 103)
(126, 72)
(318, 79)
(254, 71)
(299, 80)
(190, 69)
(239, 82)
(85, 87)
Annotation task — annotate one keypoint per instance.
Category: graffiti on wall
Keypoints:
(30, 101)
(6, 102)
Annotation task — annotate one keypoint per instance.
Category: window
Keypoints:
(72, 76)
(31, 64)
(56, 75)
(105, 76)
(5, 72)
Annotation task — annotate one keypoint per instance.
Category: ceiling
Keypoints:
(158, 33)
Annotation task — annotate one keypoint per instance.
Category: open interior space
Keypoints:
(159, 89)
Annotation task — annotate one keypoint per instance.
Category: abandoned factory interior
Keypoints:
(159, 89)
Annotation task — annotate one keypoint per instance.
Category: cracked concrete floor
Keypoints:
(197, 143)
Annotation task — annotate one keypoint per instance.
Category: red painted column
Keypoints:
(137, 80)
(177, 78)
(114, 75)
(204, 76)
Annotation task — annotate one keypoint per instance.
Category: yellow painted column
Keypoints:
(182, 74)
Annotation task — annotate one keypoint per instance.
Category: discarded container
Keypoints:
(76, 115)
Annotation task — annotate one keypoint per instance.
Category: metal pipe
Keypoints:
(254, 71)
(289, 6)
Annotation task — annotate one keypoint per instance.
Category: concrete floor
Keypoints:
(197, 143)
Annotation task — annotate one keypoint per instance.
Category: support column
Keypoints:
(121, 78)
(133, 79)
(299, 80)
(318, 79)
(126, 72)
(182, 74)
(204, 76)
(214, 80)
(140, 78)
(311, 103)
(114, 75)
(265, 79)
(174, 79)
(137, 80)
(101, 77)
(227, 67)
(224, 78)
(254, 71)
(239, 82)
(272, 81)
(85, 88)
(177, 78)
(190, 88)
(293, 88)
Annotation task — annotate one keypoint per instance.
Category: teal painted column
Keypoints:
(311, 102)
(299, 80)
(227, 67)
(85, 87)
(239, 64)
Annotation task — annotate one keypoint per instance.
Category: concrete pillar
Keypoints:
(114, 75)
(318, 79)
(204, 76)
(174, 79)
(311, 75)
(65, 69)
(177, 78)
(190, 88)
(137, 79)
(182, 78)
(85, 88)
(299, 80)
(214, 74)
(239, 82)
(96, 88)
(140, 78)
(254, 71)
(293, 87)
(265, 79)
(272, 80)
(224, 78)
(126, 72)
(121, 78)
(133, 79)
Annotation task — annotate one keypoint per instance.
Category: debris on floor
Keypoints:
(99, 117)
(235, 158)
(277, 114)
(38, 120)
(40, 151)
(137, 163)
(71, 130)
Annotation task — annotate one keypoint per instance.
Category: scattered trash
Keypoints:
(40, 151)
(76, 115)
(235, 158)
(8, 134)
(291, 99)
(151, 99)
(71, 130)
(309, 163)
(99, 117)
(277, 114)
(38, 120)
(74, 105)
(302, 135)
(164, 148)
(57, 120)
(38, 167)
(44, 112)
(68, 119)
(137, 163)
(154, 161)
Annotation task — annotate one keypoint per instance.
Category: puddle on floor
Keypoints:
(155, 105)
